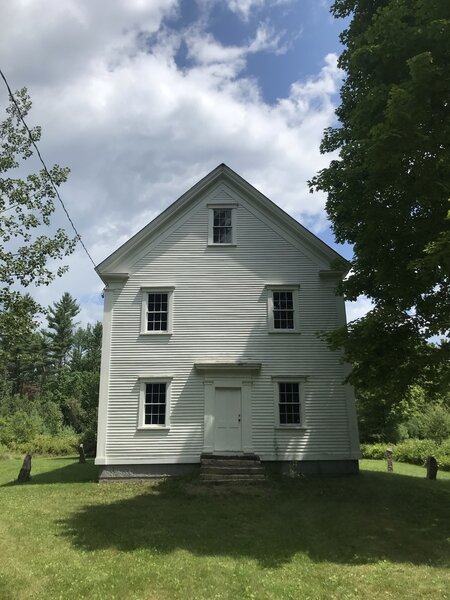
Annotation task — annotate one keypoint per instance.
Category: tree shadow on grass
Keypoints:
(71, 473)
(356, 520)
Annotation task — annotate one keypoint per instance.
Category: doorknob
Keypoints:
(239, 418)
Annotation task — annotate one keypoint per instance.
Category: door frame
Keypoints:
(225, 373)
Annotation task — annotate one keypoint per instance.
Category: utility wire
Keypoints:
(11, 95)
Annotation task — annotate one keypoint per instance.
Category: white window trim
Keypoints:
(142, 389)
(144, 300)
(288, 287)
(211, 207)
(301, 380)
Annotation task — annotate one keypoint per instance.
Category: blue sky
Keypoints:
(143, 98)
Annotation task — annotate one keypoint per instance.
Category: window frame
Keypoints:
(212, 207)
(169, 290)
(143, 381)
(300, 380)
(290, 287)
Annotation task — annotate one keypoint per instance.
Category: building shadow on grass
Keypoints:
(359, 520)
(71, 473)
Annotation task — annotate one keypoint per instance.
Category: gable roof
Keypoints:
(107, 269)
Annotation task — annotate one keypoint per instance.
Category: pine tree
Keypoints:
(60, 332)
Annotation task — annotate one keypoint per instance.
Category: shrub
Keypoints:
(89, 441)
(443, 462)
(415, 451)
(433, 423)
(20, 427)
(374, 451)
(411, 451)
(5, 453)
(58, 445)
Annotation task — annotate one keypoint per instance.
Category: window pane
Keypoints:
(157, 314)
(283, 309)
(222, 230)
(289, 403)
(155, 404)
(222, 235)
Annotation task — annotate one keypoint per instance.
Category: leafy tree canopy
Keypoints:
(388, 190)
(26, 205)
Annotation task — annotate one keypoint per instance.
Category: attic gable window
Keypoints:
(156, 311)
(222, 225)
(282, 309)
(222, 230)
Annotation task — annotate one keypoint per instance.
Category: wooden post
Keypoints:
(82, 458)
(432, 467)
(390, 462)
(25, 471)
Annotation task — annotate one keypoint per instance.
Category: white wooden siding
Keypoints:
(220, 312)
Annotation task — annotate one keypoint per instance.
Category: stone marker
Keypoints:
(82, 454)
(390, 462)
(25, 471)
(432, 467)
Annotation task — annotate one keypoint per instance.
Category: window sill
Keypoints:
(290, 427)
(153, 428)
(210, 244)
(156, 333)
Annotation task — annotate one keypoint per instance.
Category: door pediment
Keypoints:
(221, 368)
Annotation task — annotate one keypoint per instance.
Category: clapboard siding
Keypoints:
(220, 312)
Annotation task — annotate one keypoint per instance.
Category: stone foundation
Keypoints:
(301, 467)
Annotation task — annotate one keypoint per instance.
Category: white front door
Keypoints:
(227, 419)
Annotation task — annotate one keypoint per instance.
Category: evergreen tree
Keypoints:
(60, 333)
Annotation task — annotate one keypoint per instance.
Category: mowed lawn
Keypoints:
(377, 535)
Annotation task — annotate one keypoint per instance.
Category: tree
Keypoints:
(21, 352)
(388, 190)
(26, 205)
(60, 333)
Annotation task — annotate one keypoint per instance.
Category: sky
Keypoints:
(141, 99)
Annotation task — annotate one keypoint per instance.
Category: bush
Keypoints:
(57, 445)
(374, 451)
(20, 427)
(433, 423)
(89, 441)
(5, 453)
(413, 451)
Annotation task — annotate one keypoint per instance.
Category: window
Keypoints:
(282, 308)
(289, 402)
(222, 225)
(156, 311)
(154, 402)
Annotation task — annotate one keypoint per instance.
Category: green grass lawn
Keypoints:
(377, 535)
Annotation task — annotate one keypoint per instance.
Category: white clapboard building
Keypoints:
(211, 340)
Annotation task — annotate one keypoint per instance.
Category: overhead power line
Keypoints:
(11, 95)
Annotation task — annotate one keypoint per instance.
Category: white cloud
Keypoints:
(137, 130)
(243, 8)
(359, 308)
